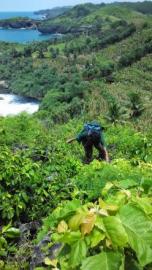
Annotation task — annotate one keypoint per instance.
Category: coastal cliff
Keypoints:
(19, 23)
(3, 86)
(52, 13)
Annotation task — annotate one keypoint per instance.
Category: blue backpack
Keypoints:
(93, 128)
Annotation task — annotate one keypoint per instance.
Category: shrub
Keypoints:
(106, 233)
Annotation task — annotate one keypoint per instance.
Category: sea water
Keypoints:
(13, 104)
(8, 15)
(22, 35)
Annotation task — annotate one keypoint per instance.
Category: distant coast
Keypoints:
(52, 13)
(19, 23)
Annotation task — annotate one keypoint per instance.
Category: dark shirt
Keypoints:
(83, 135)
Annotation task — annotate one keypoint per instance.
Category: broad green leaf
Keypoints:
(3, 252)
(3, 241)
(99, 223)
(103, 261)
(48, 261)
(64, 265)
(62, 227)
(102, 204)
(107, 187)
(139, 230)
(103, 212)
(95, 237)
(88, 223)
(78, 253)
(115, 231)
(5, 228)
(70, 237)
(119, 199)
(110, 207)
(76, 220)
(12, 233)
(69, 209)
(144, 204)
(127, 183)
(126, 192)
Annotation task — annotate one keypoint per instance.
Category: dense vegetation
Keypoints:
(39, 172)
(54, 12)
(56, 212)
(18, 22)
(85, 17)
(95, 62)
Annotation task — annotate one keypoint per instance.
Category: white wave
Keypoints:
(10, 105)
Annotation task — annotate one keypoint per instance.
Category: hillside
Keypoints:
(89, 14)
(40, 172)
(58, 213)
(143, 7)
(86, 62)
(18, 23)
(52, 13)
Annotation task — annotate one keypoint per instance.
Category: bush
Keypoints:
(120, 170)
(92, 234)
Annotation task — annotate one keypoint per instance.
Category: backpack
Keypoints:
(92, 128)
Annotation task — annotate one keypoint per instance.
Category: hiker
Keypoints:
(92, 136)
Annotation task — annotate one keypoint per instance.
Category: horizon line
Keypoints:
(102, 2)
(12, 11)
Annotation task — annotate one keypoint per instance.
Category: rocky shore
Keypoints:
(19, 23)
(4, 86)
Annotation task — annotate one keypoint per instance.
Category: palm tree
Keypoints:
(116, 113)
(136, 105)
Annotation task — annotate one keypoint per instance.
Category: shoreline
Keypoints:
(4, 89)
(21, 28)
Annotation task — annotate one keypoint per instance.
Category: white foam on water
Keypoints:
(10, 105)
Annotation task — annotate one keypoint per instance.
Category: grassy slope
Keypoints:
(111, 12)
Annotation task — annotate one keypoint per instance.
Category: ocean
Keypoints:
(7, 15)
(22, 35)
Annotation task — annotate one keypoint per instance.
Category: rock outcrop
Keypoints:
(19, 23)
(3, 86)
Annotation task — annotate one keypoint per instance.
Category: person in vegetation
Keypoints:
(92, 136)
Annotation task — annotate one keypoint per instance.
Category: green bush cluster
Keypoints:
(96, 215)
(114, 231)
(48, 172)
(69, 67)
(135, 55)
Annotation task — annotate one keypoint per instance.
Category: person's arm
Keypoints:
(78, 138)
(71, 140)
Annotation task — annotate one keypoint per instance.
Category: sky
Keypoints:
(30, 5)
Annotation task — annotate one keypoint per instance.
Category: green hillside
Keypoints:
(144, 7)
(68, 71)
(58, 213)
(54, 12)
(84, 15)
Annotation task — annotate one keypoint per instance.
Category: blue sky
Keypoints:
(30, 5)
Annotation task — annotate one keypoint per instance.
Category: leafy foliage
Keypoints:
(97, 215)
(107, 227)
